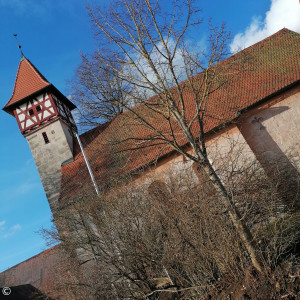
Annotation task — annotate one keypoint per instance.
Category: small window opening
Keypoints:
(158, 190)
(38, 108)
(31, 112)
(45, 138)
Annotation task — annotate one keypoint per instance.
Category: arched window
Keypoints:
(158, 190)
(204, 180)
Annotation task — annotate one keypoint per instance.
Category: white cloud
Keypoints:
(143, 73)
(282, 13)
(12, 230)
(76, 115)
(161, 64)
(16, 227)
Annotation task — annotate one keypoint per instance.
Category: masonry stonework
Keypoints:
(49, 157)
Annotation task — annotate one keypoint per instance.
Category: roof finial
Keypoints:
(19, 46)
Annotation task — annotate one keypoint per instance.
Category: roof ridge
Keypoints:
(235, 55)
(284, 29)
(14, 89)
(37, 71)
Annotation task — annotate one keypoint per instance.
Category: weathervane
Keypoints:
(19, 46)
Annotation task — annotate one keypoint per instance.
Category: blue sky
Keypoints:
(52, 34)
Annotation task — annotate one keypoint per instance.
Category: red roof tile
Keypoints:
(119, 147)
(28, 81)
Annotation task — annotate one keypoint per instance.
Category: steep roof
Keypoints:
(121, 146)
(28, 81)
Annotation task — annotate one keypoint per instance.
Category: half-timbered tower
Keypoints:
(45, 120)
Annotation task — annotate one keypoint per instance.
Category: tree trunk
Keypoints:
(235, 216)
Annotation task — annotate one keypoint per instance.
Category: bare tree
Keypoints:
(97, 91)
(149, 55)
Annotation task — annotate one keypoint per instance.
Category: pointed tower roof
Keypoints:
(28, 81)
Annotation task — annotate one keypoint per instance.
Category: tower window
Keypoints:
(31, 112)
(45, 138)
(38, 108)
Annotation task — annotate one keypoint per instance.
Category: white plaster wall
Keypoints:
(228, 152)
(274, 130)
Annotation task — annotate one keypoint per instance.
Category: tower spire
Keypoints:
(19, 46)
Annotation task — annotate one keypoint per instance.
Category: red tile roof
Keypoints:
(119, 147)
(28, 81)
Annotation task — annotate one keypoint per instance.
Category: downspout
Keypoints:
(87, 163)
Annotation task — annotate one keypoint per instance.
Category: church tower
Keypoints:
(45, 120)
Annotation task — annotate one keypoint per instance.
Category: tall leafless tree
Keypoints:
(97, 91)
(145, 52)
(171, 238)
